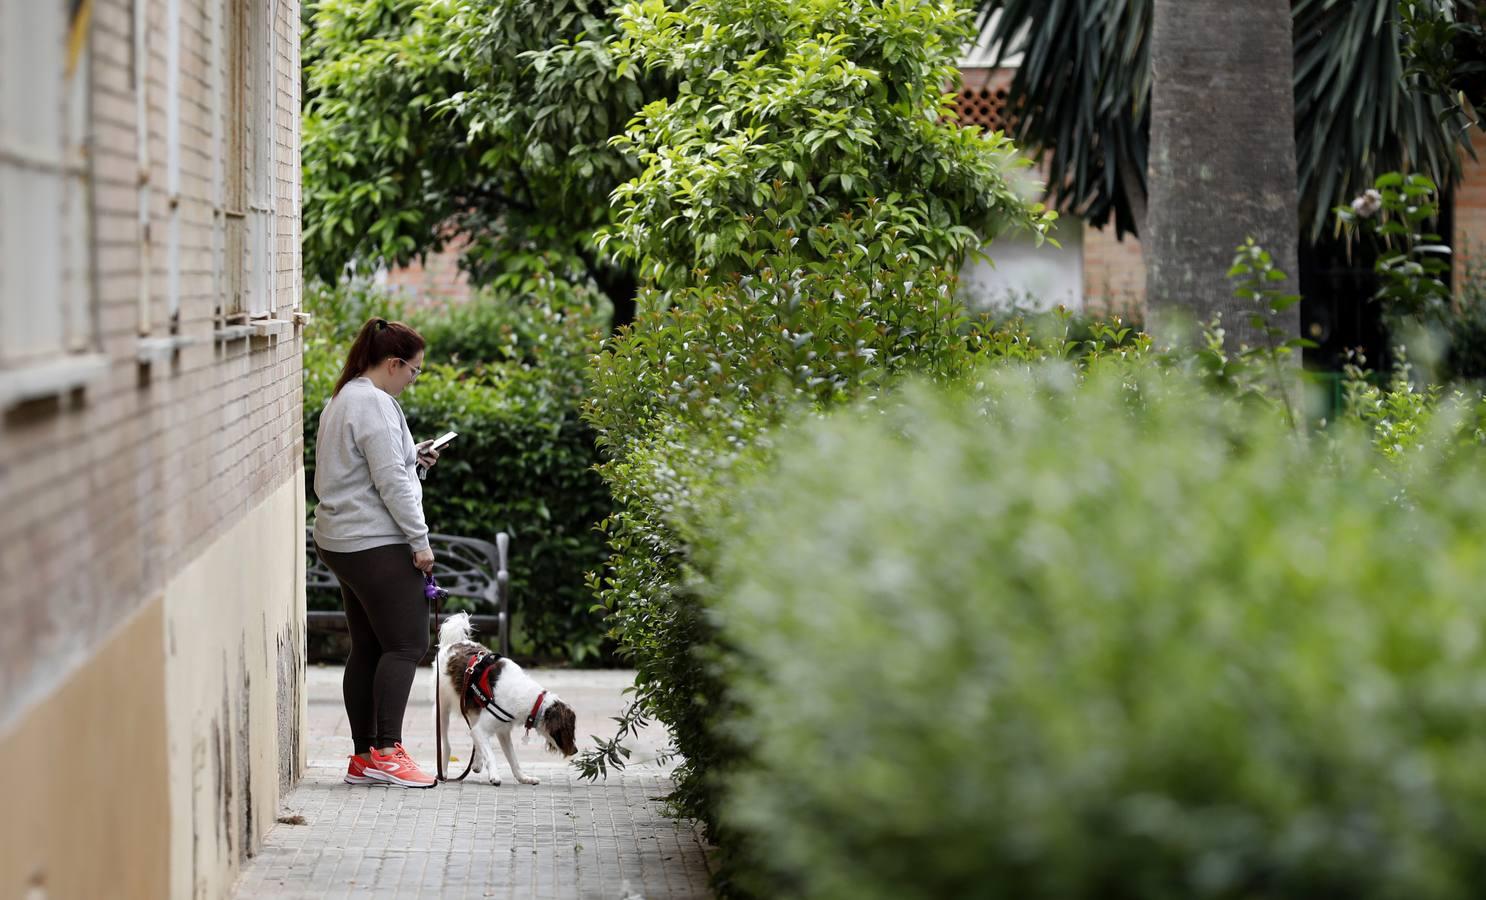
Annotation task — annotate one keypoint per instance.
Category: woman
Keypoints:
(369, 530)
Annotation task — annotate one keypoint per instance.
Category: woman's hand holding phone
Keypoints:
(428, 451)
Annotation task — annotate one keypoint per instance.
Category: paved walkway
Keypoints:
(564, 838)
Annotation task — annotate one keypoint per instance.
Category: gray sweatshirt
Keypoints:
(365, 473)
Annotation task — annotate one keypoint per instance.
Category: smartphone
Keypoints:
(439, 444)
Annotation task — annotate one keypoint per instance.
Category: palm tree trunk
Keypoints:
(1222, 163)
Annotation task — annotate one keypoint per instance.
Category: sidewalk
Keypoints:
(563, 838)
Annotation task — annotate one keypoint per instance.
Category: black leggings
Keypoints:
(388, 618)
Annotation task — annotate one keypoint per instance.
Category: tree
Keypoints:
(485, 122)
(1081, 95)
(1222, 164)
(790, 117)
(717, 130)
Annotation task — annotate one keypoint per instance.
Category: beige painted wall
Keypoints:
(234, 678)
(84, 786)
(159, 761)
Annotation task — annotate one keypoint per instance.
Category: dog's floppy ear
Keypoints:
(560, 723)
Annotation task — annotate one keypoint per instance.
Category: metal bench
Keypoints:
(465, 567)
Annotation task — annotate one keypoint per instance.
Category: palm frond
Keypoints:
(1355, 114)
(1081, 96)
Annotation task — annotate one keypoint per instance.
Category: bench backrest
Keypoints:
(465, 567)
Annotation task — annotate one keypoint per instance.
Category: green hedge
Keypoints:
(509, 378)
(685, 400)
(1103, 640)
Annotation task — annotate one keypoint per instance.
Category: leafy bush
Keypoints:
(815, 332)
(684, 401)
(677, 401)
(1465, 328)
(524, 460)
(801, 201)
(1414, 264)
(1113, 640)
(1402, 417)
(555, 333)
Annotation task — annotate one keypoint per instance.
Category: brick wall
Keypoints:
(436, 279)
(1114, 271)
(110, 489)
(982, 96)
(1469, 239)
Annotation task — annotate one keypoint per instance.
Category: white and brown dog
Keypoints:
(492, 695)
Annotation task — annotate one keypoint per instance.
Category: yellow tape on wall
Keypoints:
(79, 15)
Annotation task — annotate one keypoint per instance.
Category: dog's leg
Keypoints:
(484, 753)
(510, 749)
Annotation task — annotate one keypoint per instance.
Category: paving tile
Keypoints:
(562, 839)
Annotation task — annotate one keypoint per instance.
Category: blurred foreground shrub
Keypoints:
(1104, 639)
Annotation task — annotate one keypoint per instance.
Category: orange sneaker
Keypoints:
(356, 773)
(398, 768)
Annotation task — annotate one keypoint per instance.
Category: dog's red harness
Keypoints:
(477, 682)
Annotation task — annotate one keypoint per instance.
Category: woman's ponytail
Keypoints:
(378, 340)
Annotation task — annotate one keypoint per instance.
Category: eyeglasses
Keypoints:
(417, 370)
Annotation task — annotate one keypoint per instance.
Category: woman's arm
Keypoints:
(380, 440)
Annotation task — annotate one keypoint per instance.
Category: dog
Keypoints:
(494, 696)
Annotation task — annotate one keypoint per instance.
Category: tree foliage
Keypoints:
(786, 114)
(479, 121)
(802, 203)
(511, 125)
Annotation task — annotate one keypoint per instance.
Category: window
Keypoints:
(46, 277)
(173, 161)
(248, 205)
(234, 201)
(262, 224)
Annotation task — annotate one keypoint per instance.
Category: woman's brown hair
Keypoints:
(378, 340)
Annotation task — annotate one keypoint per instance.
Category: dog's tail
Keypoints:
(456, 628)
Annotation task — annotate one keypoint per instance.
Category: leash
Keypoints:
(436, 597)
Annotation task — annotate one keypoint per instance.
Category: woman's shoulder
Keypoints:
(366, 399)
(361, 392)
